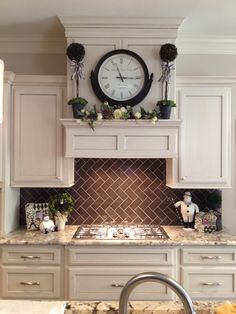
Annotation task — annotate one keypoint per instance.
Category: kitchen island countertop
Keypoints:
(99, 307)
(177, 237)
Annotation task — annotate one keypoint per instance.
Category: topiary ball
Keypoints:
(75, 52)
(168, 52)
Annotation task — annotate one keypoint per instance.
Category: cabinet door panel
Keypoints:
(204, 143)
(105, 283)
(34, 282)
(207, 283)
(36, 146)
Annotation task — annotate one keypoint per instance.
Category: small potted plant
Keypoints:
(76, 53)
(168, 54)
(60, 206)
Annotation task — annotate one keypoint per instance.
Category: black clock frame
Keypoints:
(136, 99)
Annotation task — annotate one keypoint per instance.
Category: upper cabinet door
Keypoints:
(37, 137)
(204, 143)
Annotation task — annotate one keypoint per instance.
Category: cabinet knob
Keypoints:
(212, 284)
(116, 285)
(30, 283)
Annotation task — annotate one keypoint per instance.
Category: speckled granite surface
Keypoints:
(161, 307)
(177, 235)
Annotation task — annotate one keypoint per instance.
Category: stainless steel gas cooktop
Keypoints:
(131, 232)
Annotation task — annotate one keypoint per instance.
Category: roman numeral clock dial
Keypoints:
(121, 77)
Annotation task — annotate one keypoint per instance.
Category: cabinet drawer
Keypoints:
(209, 283)
(208, 256)
(121, 256)
(36, 255)
(33, 282)
(105, 283)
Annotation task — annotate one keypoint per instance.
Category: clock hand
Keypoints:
(129, 77)
(120, 76)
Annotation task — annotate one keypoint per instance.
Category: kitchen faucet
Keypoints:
(156, 277)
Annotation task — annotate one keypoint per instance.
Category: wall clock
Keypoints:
(121, 78)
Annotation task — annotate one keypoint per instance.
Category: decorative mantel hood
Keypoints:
(121, 139)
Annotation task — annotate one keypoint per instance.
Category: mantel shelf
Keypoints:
(74, 123)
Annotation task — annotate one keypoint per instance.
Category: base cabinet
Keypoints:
(209, 273)
(100, 272)
(31, 272)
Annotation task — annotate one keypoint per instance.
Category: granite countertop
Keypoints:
(99, 307)
(177, 235)
(141, 307)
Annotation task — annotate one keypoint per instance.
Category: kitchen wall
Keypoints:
(198, 64)
(119, 191)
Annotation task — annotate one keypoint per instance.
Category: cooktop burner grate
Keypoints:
(131, 232)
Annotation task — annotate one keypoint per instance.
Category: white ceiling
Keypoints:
(203, 17)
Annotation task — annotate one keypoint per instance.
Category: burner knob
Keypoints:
(127, 235)
(120, 231)
(115, 235)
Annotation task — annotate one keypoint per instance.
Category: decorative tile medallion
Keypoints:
(119, 191)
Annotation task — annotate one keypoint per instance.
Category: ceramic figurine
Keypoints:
(47, 225)
(188, 210)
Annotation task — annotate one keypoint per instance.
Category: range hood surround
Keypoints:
(121, 139)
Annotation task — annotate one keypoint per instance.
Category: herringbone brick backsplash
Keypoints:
(119, 191)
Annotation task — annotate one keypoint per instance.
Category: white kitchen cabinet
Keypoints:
(209, 273)
(99, 273)
(204, 138)
(31, 272)
(37, 159)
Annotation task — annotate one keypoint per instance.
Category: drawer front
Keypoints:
(27, 255)
(208, 256)
(35, 283)
(105, 283)
(209, 283)
(121, 256)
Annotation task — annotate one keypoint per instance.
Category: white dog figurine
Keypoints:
(47, 225)
(188, 210)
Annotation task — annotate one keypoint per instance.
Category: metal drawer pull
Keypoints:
(30, 257)
(29, 283)
(212, 257)
(116, 285)
(215, 284)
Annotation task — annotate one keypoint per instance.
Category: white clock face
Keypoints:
(121, 77)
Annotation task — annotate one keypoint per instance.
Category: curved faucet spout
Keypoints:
(156, 277)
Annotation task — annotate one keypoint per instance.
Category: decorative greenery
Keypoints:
(108, 112)
(168, 52)
(78, 100)
(75, 52)
(62, 203)
(170, 103)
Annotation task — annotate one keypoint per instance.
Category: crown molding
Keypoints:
(125, 27)
(210, 80)
(215, 45)
(32, 44)
(29, 44)
(36, 80)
